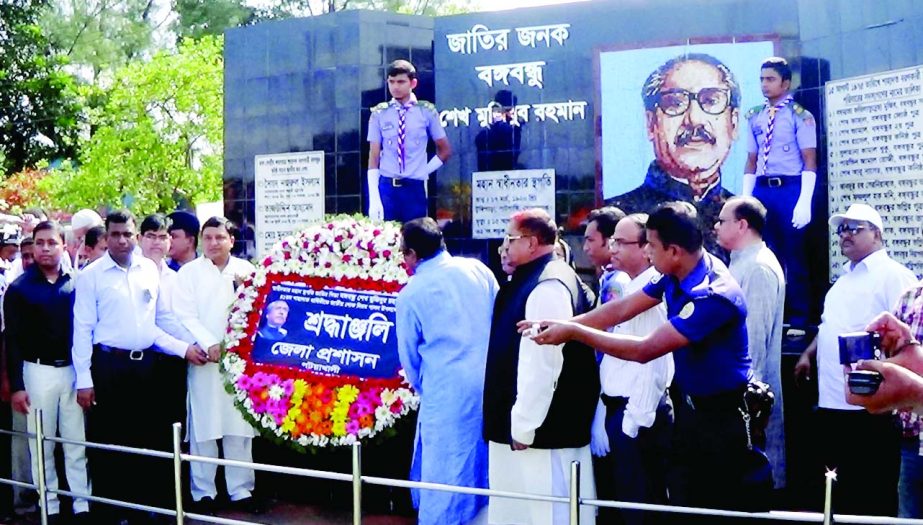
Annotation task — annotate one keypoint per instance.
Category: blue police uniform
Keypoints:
(778, 185)
(402, 183)
(713, 465)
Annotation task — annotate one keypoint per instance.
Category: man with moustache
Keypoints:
(122, 327)
(538, 401)
(692, 107)
(872, 282)
(639, 415)
(205, 291)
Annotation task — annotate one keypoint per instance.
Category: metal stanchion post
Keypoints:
(574, 493)
(40, 471)
(828, 497)
(177, 471)
(357, 484)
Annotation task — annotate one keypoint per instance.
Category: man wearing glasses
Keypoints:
(872, 283)
(637, 409)
(692, 106)
(538, 400)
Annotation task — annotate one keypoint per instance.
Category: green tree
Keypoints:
(158, 136)
(38, 106)
(101, 35)
(195, 18)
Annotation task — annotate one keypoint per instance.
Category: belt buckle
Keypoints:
(136, 355)
(396, 182)
(774, 182)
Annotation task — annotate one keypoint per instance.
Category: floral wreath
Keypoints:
(305, 409)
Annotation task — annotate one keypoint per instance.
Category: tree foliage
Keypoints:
(38, 108)
(196, 18)
(101, 35)
(158, 136)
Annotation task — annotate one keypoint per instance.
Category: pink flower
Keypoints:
(267, 261)
(244, 383)
(353, 426)
(397, 406)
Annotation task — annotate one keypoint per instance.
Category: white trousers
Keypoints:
(52, 391)
(240, 481)
(21, 464)
(537, 471)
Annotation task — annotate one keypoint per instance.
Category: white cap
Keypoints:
(86, 219)
(858, 212)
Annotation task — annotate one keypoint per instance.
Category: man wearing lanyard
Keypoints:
(781, 171)
(119, 323)
(39, 331)
(399, 132)
(707, 334)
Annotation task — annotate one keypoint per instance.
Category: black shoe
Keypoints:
(204, 506)
(251, 505)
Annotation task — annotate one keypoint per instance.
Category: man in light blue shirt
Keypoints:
(781, 172)
(119, 322)
(399, 131)
(443, 328)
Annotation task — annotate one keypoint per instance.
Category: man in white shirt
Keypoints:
(119, 333)
(871, 283)
(538, 400)
(154, 241)
(639, 415)
(205, 290)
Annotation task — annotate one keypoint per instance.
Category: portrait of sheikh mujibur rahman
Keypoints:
(692, 107)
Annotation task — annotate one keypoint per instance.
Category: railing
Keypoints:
(357, 479)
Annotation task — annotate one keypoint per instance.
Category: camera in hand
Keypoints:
(859, 346)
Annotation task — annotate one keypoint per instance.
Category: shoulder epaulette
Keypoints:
(379, 108)
(427, 105)
(754, 111)
(800, 111)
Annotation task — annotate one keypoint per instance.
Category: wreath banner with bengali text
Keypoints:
(311, 349)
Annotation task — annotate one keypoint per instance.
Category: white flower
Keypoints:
(276, 392)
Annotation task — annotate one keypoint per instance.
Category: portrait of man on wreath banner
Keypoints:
(274, 317)
(687, 119)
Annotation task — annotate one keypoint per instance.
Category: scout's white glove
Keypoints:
(801, 216)
(749, 183)
(376, 211)
(599, 439)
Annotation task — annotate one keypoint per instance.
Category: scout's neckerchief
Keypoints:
(770, 126)
(402, 110)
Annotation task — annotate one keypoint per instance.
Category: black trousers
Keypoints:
(712, 465)
(865, 451)
(635, 468)
(130, 410)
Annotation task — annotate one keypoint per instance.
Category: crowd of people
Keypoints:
(107, 325)
(678, 407)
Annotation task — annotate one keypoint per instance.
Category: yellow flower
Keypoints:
(339, 428)
(288, 425)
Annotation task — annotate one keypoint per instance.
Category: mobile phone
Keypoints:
(864, 382)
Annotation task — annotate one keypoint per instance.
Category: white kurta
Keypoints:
(202, 298)
(538, 471)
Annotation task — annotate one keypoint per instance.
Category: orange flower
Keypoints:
(366, 421)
